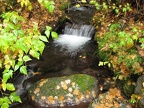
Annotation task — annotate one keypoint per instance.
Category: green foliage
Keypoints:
(134, 98)
(104, 63)
(26, 3)
(53, 34)
(117, 39)
(18, 46)
(96, 4)
(116, 46)
(104, 7)
(48, 4)
(14, 98)
(5, 101)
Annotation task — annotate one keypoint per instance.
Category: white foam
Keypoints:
(71, 43)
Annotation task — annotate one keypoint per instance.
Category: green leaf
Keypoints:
(109, 65)
(46, 3)
(101, 63)
(21, 33)
(6, 100)
(141, 40)
(1, 101)
(10, 87)
(34, 54)
(7, 66)
(5, 105)
(18, 65)
(123, 43)
(51, 8)
(43, 38)
(15, 98)
(135, 37)
(24, 47)
(84, 1)
(23, 70)
(92, 2)
(142, 45)
(30, 7)
(26, 58)
(40, 45)
(11, 26)
(124, 9)
(4, 86)
(47, 32)
(116, 11)
(54, 35)
(3, 42)
(77, 5)
(48, 28)
(105, 6)
(7, 75)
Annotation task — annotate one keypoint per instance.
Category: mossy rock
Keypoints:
(62, 91)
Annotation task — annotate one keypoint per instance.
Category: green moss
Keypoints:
(82, 82)
(85, 82)
(128, 88)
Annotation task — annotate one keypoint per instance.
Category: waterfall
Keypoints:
(79, 30)
(74, 38)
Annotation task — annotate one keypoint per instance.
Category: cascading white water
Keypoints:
(79, 30)
(74, 38)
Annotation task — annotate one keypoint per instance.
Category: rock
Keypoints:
(81, 15)
(139, 90)
(64, 91)
(110, 99)
(139, 85)
(141, 102)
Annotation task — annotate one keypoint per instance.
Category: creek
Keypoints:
(73, 52)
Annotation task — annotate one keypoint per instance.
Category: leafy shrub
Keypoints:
(118, 47)
(48, 4)
(18, 46)
(107, 8)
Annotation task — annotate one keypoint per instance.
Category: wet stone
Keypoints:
(64, 91)
(110, 99)
(139, 90)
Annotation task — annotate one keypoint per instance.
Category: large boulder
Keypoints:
(64, 91)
